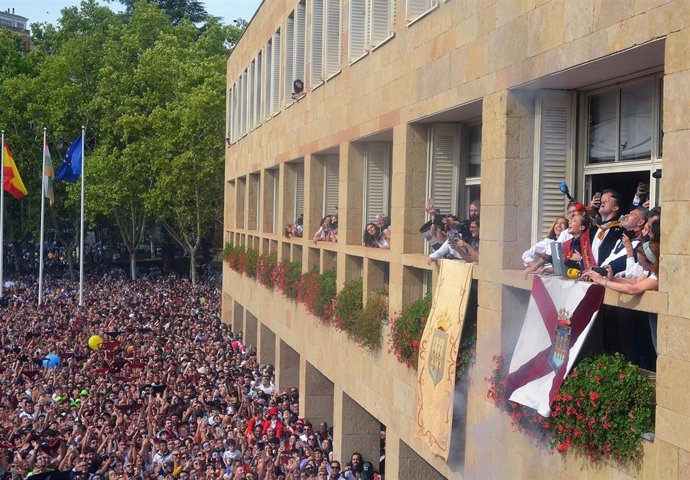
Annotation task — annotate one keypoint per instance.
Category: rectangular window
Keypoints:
(276, 196)
(275, 71)
(332, 37)
(299, 190)
(377, 180)
(231, 115)
(243, 103)
(258, 90)
(417, 8)
(371, 23)
(251, 92)
(454, 166)
(268, 86)
(325, 38)
(620, 124)
(295, 49)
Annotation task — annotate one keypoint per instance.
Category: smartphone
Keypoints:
(597, 195)
(600, 270)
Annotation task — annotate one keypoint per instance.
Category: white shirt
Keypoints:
(443, 250)
(542, 246)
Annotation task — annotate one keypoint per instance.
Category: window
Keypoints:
(371, 23)
(251, 81)
(377, 180)
(258, 80)
(454, 166)
(622, 142)
(331, 184)
(230, 108)
(619, 145)
(295, 47)
(325, 38)
(299, 190)
(275, 74)
(417, 8)
(269, 80)
(243, 103)
(276, 196)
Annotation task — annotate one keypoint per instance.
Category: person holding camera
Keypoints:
(457, 247)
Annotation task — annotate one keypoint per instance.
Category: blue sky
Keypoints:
(49, 10)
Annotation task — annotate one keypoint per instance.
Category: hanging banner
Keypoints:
(438, 352)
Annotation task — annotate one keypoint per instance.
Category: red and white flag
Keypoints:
(559, 316)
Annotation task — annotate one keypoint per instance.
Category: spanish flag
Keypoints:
(13, 182)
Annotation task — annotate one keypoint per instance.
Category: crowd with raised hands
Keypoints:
(145, 382)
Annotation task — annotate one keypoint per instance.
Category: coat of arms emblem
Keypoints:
(438, 348)
(561, 339)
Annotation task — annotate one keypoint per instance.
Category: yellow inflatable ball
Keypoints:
(95, 342)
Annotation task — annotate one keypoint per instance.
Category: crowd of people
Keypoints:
(166, 392)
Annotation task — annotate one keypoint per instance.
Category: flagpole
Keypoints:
(43, 204)
(81, 230)
(2, 210)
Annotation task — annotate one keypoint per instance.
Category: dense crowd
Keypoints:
(170, 392)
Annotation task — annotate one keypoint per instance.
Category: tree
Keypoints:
(189, 171)
(177, 10)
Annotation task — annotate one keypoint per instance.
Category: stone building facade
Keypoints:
(495, 100)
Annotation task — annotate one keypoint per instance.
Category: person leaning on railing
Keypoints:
(647, 258)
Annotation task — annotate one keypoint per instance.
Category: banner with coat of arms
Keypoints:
(438, 351)
(559, 316)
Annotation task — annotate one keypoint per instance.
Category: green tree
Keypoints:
(177, 10)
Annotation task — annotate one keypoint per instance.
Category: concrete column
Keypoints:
(409, 464)
(253, 199)
(238, 318)
(316, 395)
(226, 309)
(229, 210)
(267, 346)
(351, 177)
(288, 366)
(250, 328)
(268, 179)
(355, 430)
(506, 197)
(288, 194)
(313, 194)
(673, 329)
(240, 202)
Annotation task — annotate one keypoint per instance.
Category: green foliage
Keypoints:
(367, 329)
(407, 329)
(602, 408)
(150, 92)
(348, 305)
(317, 291)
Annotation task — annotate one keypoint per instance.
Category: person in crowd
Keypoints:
(384, 226)
(455, 247)
(646, 279)
(542, 249)
(633, 225)
(606, 229)
(577, 252)
(324, 229)
(373, 237)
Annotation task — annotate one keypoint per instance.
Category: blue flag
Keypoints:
(70, 170)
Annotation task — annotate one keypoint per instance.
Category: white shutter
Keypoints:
(377, 180)
(553, 158)
(258, 89)
(243, 103)
(231, 115)
(317, 41)
(236, 110)
(269, 80)
(415, 8)
(250, 94)
(300, 43)
(381, 21)
(331, 181)
(275, 90)
(299, 190)
(332, 37)
(289, 57)
(444, 166)
(357, 35)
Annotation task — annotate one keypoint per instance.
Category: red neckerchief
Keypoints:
(586, 253)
